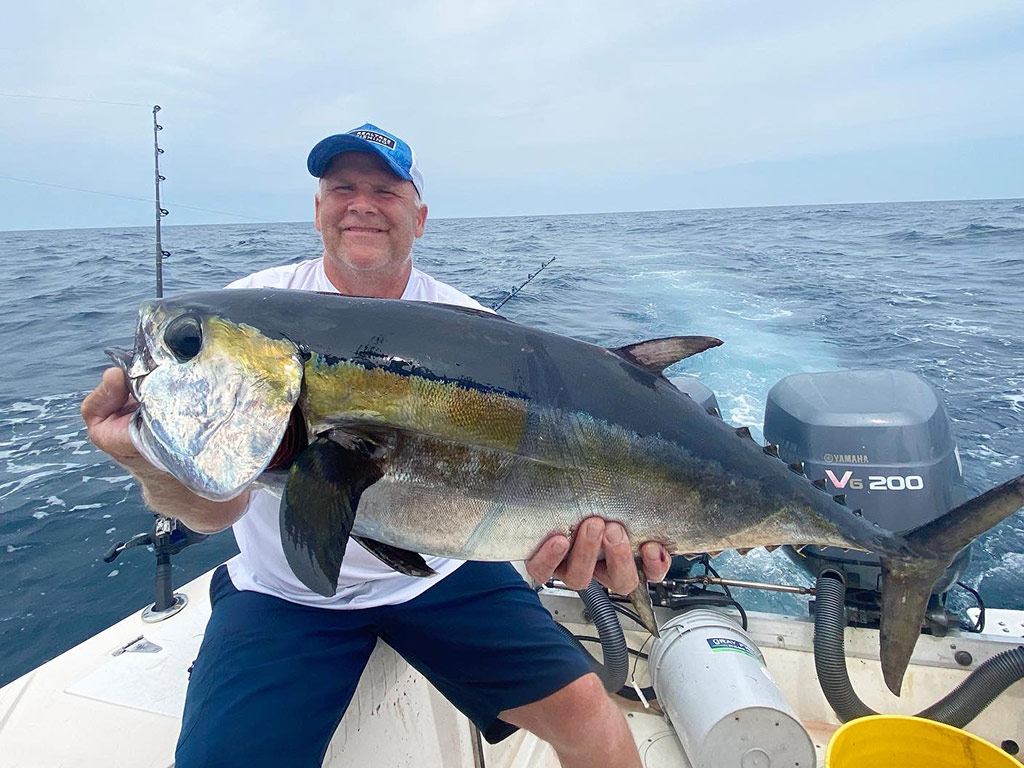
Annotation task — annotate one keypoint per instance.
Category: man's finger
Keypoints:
(109, 397)
(542, 565)
(619, 572)
(578, 568)
(105, 412)
(656, 561)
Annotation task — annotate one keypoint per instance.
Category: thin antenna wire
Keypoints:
(516, 289)
(131, 197)
(80, 101)
(157, 150)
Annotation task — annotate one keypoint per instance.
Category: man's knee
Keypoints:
(568, 714)
(583, 725)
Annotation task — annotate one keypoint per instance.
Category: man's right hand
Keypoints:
(107, 411)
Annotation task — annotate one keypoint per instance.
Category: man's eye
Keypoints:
(385, 192)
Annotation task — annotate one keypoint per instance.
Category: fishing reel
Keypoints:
(167, 537)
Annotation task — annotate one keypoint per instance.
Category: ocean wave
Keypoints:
(1015, 400)
(978, 230)
(908, 236)
(971, 232)
(769, 314)
(12, 487)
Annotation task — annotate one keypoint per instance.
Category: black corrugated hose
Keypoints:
(958, 708)
(615, 670)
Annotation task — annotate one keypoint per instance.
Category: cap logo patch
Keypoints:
(376, 138)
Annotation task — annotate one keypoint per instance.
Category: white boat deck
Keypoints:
(115, 700)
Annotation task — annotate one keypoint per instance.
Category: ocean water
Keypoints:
(934, 288)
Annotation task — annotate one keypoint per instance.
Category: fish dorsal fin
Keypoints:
(658, 354)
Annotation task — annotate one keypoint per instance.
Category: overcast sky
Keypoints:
(512, 107)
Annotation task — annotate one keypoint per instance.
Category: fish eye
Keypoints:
(184, 337)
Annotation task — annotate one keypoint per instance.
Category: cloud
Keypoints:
(493, 95)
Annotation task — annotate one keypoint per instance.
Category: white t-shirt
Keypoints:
(364, 580)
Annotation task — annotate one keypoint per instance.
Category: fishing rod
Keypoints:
(160, 211)
(516, 289)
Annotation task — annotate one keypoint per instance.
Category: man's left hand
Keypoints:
(578, 564)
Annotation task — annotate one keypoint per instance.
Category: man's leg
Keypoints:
(271, 682)
(482, 637)
(582, 725)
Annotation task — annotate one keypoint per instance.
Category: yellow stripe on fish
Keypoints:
(346, 391)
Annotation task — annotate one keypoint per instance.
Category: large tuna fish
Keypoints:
(426, 428)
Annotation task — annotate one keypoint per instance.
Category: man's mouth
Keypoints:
(364, 230)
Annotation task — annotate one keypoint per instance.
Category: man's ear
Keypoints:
(421, 220)
(316, 215)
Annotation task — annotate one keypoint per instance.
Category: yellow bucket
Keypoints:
(910, 742)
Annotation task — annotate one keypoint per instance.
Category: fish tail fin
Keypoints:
(946, 535)
(906, 587)
(907, 579)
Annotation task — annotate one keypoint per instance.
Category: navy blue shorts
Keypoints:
(273, 679)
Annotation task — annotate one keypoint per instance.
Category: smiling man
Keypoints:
(279, 663)
(368, 219)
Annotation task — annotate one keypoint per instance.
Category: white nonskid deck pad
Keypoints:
(150, 673)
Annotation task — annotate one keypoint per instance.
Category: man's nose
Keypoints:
(361, 202)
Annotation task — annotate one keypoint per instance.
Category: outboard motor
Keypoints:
(696, 389)
(881, 438)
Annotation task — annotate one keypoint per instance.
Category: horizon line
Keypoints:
(543, 215)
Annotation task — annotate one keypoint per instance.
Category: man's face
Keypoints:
(368, 217)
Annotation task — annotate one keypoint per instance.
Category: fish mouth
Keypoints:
(122, 358)
(137, 363)
(134, 374)
(141, 438)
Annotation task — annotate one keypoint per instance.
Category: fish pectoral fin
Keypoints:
(401, 560)
(640, 598)
(658, 354)
(318, 508)
(374, 441)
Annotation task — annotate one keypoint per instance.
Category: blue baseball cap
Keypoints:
(367, 138)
